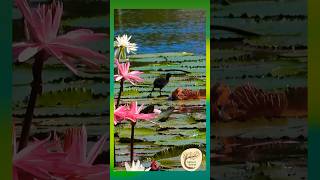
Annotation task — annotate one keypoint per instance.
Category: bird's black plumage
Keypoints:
(160, 83)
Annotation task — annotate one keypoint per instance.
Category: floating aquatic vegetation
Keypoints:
(247, 101)
(185, 94)
(275, 61)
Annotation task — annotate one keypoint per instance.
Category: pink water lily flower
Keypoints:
(78, 163)
(134, 113)
(124, 74)
(119, 114)
(47, 159)
(75, 145)
(35, 161)
(42, 27)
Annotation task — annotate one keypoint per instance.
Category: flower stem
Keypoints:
(132, 141)
(36, 89)
(121, 90)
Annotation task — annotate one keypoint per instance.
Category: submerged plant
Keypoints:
(42, 27)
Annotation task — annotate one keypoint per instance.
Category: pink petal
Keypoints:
(136, 73)
(17, 48)
(146, 116)
(90, 63)
(96, 149)
(122, 69)
(28, 53)
(120, 114)
(127, 67)
(38, 25)
(130, 80)
(140, 108)
(54, 52)
(68, 62)
(134, 107)
(57, 18)
(35, 160)
(80, 36)
(30, 149)
(76, 51)
(117, 77)
(134, 78)
(75, 144)
(24, 7)
(118, 118)
(47, 25)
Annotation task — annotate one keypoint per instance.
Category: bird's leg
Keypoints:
(160, 91)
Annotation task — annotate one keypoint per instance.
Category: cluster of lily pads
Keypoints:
(130, 111)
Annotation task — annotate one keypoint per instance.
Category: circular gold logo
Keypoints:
(191, 159)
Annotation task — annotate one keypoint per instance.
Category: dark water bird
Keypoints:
(148, 109)
(163, 117)
(160, 83)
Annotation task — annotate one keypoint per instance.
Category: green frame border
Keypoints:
(5, 90)
(160, 4)
(313, 89)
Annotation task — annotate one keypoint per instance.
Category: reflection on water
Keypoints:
(157, 31)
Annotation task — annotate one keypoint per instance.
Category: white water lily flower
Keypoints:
(124, 42)
(136, 167)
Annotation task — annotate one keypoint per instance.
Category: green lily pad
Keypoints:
(69, 97)
(288, 71)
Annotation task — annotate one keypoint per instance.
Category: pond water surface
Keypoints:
(159, 31)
